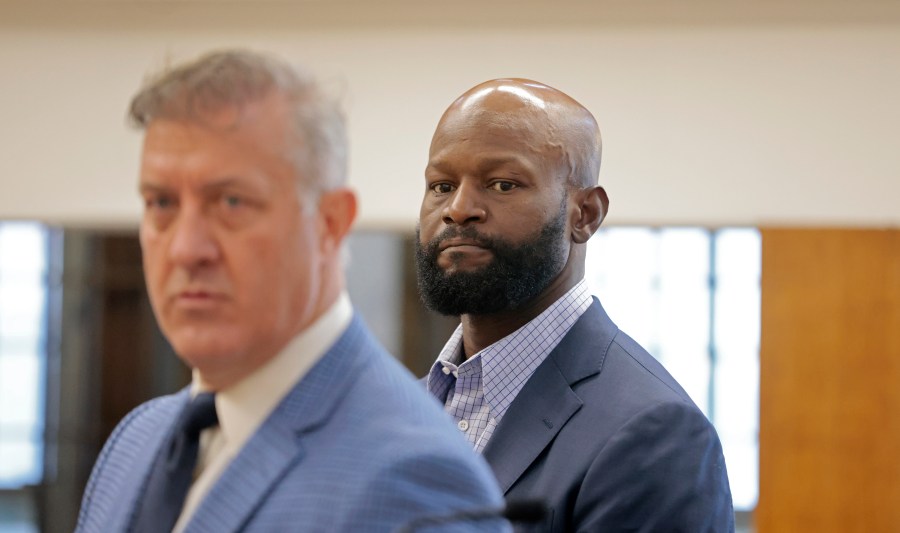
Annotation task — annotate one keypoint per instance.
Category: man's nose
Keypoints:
(466, 205)
(193, 242)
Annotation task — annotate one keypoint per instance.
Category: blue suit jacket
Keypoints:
(608, 438)
(356, 445)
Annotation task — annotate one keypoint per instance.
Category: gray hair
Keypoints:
(234, 78)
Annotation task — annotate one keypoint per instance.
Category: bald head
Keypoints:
(545, 120)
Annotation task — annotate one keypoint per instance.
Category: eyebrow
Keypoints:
(144, 187)
(217, 185)
(223, 183)
(494, 162)
(485, 165)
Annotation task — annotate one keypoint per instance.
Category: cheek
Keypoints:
(295, 286)
(429, 223)
(152, 258)
(432, 206)
(277, 268)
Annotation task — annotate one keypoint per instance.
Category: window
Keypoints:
(23, 319)
(691, 297)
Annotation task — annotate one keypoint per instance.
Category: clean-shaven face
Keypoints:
(231, 257)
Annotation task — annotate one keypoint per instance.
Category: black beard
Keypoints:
(518, 273)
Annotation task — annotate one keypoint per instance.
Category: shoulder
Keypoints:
(129, 440)
(408, 424)
(390, 389)
(649, 443)
(632, 391)
(629, 361)
(143, 421)
(602, 363)
(386, 449)
(388, 402)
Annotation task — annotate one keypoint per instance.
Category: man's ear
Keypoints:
(592, 204)
(337, 209)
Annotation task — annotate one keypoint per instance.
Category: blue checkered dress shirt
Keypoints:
(477, 392)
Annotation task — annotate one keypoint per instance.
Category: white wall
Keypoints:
(706, 119)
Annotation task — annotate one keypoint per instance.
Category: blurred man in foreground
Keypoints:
(296, 419)
(563, 405)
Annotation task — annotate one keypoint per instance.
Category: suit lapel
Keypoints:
(278, 444)
(263, 460)
(537, 414)
(547, 401)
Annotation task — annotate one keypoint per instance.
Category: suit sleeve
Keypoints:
(662, 471)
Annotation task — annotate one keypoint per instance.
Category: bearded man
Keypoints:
(564, 406)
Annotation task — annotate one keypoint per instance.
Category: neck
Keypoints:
(480, 331)
(229, 371)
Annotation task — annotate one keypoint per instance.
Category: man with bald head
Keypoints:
(564, 406)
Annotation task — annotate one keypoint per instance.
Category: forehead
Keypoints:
(483, 134)
(254, 131)
(191, 158)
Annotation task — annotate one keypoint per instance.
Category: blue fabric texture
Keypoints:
(356, 445)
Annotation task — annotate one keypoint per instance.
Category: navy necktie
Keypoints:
(173, 471)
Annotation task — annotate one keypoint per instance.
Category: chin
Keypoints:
(457, 268)
(200, 350)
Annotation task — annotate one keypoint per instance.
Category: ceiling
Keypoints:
(471, 13)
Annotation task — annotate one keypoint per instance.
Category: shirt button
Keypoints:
(463, 425)
(445, 370)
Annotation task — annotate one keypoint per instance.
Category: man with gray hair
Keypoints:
(296, 419)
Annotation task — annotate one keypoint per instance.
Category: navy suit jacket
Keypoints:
(610, 441)
(356, 445)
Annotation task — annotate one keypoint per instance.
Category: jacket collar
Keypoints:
(547, 401)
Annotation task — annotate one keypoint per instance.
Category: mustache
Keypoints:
(468, 232)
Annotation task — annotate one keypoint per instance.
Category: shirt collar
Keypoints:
(443, 372)
(508, 363)
(244, 406)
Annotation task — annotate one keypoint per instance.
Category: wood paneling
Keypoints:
(830, 381)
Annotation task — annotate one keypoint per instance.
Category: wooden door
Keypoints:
(830, 381)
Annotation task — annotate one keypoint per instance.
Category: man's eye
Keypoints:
(503, 186)
(442, 188)
(232, 201)
(158, 202)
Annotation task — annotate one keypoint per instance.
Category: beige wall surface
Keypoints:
(785, 113)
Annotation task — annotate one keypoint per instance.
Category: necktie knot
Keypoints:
(200, 414)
